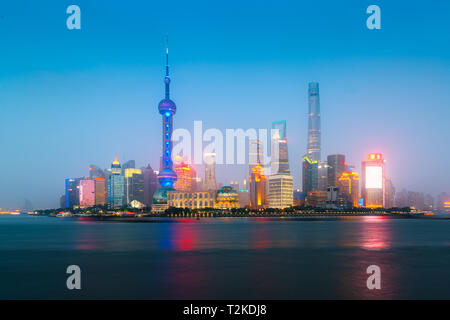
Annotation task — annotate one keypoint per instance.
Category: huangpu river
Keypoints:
(224, 258)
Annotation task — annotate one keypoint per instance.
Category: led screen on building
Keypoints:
(374, 177)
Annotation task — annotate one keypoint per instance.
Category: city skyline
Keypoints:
(361, 111)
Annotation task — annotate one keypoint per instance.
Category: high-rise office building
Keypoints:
(322, 175)
(185, 176)
(116, 186)
(134, 185)
(258, 197)
(255, 154)
(310, 171)
(210, 171)
(100, 191)
(389, 193)
(150, 184)
(373, 180)
(280, 159)
(86, 191)
(348, 186)
(314, 133)
(130, 164)
(258, 188)
(72, 194)
(96, 172)
(166, 176)
(281, 187)
(281, 191)
(336, 165)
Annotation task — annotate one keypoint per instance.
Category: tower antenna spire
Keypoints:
(167, 55)
(167, 78)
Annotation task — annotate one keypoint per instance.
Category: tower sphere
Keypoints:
(167, 105)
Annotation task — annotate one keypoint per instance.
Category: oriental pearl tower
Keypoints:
(167, 108)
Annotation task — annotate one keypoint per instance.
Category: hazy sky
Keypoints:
(69, 99)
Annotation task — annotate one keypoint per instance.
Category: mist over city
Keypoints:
(69, 100)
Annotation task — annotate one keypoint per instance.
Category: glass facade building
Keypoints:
(314, 134)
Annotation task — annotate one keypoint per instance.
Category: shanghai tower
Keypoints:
(167, 108)
(313, 149)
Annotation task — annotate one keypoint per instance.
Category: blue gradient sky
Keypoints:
(73, 98)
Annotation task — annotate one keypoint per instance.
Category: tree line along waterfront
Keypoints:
(103, 211)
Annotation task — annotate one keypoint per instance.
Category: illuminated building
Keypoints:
(257, 179)
(389, 193)
(281, 186)
(280, 159)
(348, 185)
(191, 199)
(210, 172)
(185, 176)
(116, 186)
(134, 185)
(96, 172)
(100, 191)
(227, 198)
(71, 193)
(316, 198)
(281, 191)
(322, 175)
(255, 154)
(258, 187)
(443, 203)
(224, 198)
(299, 198)
(373, 180)
(150, 184)
(336, 165)
(130, 164)
(313, 148)
(166, 176)
(86, 192)
(309, 174)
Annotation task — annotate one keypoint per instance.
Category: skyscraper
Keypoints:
(258, 188)
(130, 164)
(71, 192)
(185, 176)
(348, 186)
(100, 191)
(314, 144)
(134, 185)
(336, 165)
(150, 184)
(322, 175)
(255, 154)
(167, 108)
(310, 173)
(116, 186)
(257, 180)
(87, 192)
(389, 193)
(210, 171)
(373, 180)
(280, 159)
(281, 191)
(281, 187)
